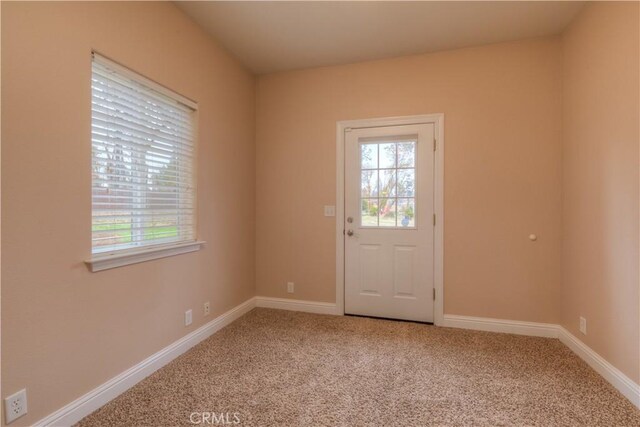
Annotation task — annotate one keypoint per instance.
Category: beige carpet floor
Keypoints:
(278, 368)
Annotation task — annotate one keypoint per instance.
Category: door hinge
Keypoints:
(434, 220)
(435, 144)
(434, 294)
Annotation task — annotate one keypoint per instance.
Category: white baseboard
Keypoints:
(620, 381)
(83, 406)
(297, 305)
(547, 330)
(613, 375)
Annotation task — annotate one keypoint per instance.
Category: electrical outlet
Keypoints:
(583, 325)
(207, 308)
(15, 406)
(290, 287)
(188, 317)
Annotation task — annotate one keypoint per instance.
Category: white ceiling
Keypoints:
(275, 36)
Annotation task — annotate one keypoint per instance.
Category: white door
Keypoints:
(389, 222)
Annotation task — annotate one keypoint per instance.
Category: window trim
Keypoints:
(122, 257)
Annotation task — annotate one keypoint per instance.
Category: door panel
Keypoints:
(389, 222)
(403, 271)
(369, 269)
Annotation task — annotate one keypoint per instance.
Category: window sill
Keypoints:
(99, 262)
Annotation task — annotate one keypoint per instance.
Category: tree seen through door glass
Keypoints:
(369, 212)
(387, 153)
(387, 183)
(406, 154)
(369, 156)
(387, 186)
(369, 183)
(387, 211)
(406, 182)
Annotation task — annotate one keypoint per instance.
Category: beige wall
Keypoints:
(502, 106)
(600, 181)
(536, 142)
(65, 330)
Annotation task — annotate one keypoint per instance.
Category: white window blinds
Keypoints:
(142, 161)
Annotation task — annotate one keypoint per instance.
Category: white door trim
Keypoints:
(438, 263)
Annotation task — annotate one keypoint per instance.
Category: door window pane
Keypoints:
(387, 213)
(406, 213)
(387, 183)
(406, 182)
(369, 183)
(369, 212)
(387, 155)
(406, 154)
(369, 156)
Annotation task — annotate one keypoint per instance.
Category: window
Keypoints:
(387, 182)
(143, 168)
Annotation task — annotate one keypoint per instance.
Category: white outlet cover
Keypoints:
(15, 406)
(207, 308)
(290, 286)
(188, 317)
(583, 325)
(329, 210)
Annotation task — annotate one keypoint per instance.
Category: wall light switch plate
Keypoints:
(329, 211)
(15, 406)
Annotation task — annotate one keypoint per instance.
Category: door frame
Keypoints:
(438, 237)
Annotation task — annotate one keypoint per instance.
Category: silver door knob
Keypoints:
(350, 233)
